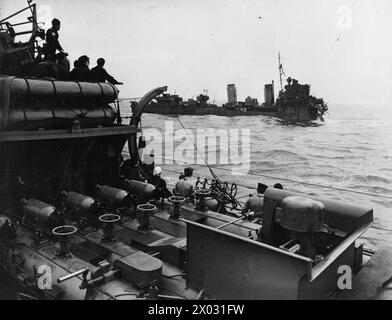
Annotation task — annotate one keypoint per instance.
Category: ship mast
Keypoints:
(281, 72)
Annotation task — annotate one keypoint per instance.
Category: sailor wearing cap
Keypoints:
(160, 184)
(184, 187)
(254, 206)
(81, 72)
(52, 40)
(157, 171)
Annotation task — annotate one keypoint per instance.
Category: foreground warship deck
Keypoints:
(159, 255)
(74, 226)
(183, 257)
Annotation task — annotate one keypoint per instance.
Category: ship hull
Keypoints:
(201, 111)
(295, 113)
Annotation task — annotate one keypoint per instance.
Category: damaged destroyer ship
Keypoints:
(294, 103)
(69, 213)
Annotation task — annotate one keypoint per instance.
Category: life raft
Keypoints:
(32, 104)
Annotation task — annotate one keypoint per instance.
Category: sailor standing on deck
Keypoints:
(63, 61)
(62, 66)
(255, 204)
(52, 41)
(184, 187)
(81, 72)
(99, 74)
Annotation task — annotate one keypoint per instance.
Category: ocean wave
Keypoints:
(333, 149)
(320, 175)
(339, 157)
(362, 148)
(344, 153)
(262, 164)
(370, 179)
(327, 166)
(278, 153)
(373, 189)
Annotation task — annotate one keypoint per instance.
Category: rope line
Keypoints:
(259, 174)
(262, 175)
(216, 178)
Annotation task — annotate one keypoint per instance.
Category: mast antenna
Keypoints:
(281, 72)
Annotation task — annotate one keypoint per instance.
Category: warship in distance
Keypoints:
(294, 103)
(75, 225)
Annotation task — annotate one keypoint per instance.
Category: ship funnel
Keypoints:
(231, 94)
(269, 97)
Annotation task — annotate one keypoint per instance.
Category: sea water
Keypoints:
(351, 150)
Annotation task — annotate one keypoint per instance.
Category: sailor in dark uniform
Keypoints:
(99, 74)
(63, 66)
(130, 170)
(81, 71)
(52, 41)
(63, 61)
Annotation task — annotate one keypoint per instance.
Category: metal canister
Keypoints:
(78, 202)
(40, 213)
(111, 195)
(141, 188)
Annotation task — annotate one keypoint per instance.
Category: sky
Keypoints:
(341, 47)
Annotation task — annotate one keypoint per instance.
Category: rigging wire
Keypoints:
(249, 187)
(216, 178)
(260, 174)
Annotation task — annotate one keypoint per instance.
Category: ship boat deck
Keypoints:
(368, 283)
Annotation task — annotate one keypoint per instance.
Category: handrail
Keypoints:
(319, 268)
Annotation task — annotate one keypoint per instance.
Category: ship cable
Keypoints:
(219, 183)
(259, 174)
